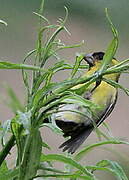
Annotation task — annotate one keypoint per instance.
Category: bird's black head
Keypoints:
(93, 57)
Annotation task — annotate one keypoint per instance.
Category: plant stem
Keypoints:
(5, 151)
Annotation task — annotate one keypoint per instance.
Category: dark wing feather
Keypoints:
(76, 140)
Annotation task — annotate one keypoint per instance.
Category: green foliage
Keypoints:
(89, 148)
(7, 174)
(111, 167)
(43, 98)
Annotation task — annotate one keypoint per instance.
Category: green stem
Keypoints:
(5, 151)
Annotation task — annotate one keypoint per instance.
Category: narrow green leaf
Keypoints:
(9, 65)
(109, 169)
(61, 65)
(76, 65)
(42, 17)
(101, 134)
(28, 55)
(52, 125)
(120, 174)
(93, 146)
(76, 99)
(72, 46)
(99, 168)
(55, 157)
(114, 167)
(103, 163)
(3, 22)
(121, 63)
(49, 45)
(109, 54)
(66, 15)
(45, 166)
(106, 125)
(114, 30)
(51, 40)
(41, 7)
(111, 50)
(118, 69)
(116, 85)
(63, 86)
(63, 46)
(66, 176)
(46, 145)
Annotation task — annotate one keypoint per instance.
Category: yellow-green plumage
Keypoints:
(104, 95)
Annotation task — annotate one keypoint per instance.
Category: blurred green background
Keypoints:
(87, 22)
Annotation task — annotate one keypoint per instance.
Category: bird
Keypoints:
(79, 126)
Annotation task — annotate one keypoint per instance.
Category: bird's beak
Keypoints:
(89, 59)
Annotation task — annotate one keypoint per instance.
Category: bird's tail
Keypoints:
(73, 143)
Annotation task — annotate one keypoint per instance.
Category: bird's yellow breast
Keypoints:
(104, 94)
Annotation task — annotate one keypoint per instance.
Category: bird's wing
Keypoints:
(74, 142)
(108, 111)
(77, 139)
